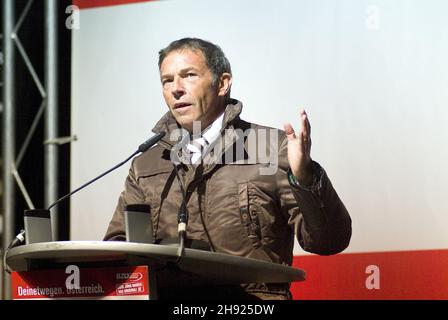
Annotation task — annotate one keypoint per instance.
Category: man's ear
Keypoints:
(225, 82)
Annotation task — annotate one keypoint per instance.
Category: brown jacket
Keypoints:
(233, 207)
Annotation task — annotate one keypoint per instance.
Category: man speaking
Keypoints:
(247, 189)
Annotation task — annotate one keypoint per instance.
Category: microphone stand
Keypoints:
(141, 148)
(182, 218)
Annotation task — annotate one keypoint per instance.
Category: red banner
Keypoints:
(84, 4)
(398, 275)
(123, 283)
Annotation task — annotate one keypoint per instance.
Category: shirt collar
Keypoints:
(168, 123)
(212, 132)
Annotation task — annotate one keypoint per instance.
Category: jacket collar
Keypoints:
(168, 123)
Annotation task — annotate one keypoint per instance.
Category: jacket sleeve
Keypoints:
(131, 194)
(322, 223)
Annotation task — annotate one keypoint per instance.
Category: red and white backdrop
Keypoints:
(372, 76)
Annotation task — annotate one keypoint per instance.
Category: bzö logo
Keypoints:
(135, 276)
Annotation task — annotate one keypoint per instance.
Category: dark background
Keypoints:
(28, 101)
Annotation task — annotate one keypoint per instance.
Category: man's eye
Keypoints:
(191, 74)
(165, 81)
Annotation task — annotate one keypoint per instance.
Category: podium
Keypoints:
(166, 270)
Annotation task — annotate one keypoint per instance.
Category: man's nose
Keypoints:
(178, 89)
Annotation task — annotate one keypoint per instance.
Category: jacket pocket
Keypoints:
(248, 215)
(157, 185)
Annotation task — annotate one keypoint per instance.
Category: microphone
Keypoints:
(182, 222)
(182, 218)
(142, 148)
(150, 142)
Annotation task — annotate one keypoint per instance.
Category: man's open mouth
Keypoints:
(181, 105)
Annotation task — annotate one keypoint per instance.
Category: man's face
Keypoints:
(189, 90)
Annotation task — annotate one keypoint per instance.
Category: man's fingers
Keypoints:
(305, 130)
(306, 127)
(289, 131)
